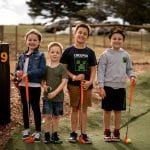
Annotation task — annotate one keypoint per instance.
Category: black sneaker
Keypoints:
(73, 137)
(84, 139)
(116, 135)
(107, 135)
(47, 138)
(56, 139)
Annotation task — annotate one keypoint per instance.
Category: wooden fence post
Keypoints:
(4, 84)
(1, 33)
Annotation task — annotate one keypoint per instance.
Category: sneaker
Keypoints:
(25, 134)
(116, 135)
(84, 139)
(47, 139)
(73, 137)
(107, 135)
(37, 137)
(56, 139)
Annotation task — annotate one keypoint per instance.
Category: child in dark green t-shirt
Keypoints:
(54, 81)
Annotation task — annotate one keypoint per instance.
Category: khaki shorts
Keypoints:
(74, 93)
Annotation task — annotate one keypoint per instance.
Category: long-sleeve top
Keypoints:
(113, 68)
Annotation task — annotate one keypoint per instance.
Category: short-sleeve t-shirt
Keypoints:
(53, 78)
(79, 61)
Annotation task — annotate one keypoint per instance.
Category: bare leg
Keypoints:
(55, 124)
(74, 119)
(47, 123)
(117, 119)
(106, 119)
(84, 120)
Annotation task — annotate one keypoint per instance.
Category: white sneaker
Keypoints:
(37, 137)
(25, 134)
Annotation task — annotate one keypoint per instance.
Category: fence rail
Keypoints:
(14, 35)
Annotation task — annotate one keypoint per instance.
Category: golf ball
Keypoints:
(128, 141)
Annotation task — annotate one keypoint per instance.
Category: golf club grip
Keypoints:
(131, 91)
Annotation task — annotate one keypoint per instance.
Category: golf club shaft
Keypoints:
(81, 101)
(27, 94)
(130, 102)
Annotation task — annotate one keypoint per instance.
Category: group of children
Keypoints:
(75, 67)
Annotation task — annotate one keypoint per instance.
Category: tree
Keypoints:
(56, 8)
(133, 11)
(95, 9)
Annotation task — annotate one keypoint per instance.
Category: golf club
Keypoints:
(132, 83)
(81, 109)
(31, 138)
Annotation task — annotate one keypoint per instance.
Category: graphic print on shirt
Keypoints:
(80, 61)
(124, 59)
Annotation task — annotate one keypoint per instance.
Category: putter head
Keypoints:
(127, 141)
(81, 140)
(84, 141)
(29, 140)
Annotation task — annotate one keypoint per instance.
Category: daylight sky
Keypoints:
(13, 12)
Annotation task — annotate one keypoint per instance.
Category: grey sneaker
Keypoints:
(25, 134)
(37, 137)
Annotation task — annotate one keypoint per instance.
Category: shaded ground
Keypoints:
(16, 119)
(138, 133)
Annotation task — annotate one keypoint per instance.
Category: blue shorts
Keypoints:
(52, 108)
(115, 99)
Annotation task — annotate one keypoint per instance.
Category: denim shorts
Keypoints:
(52, 108)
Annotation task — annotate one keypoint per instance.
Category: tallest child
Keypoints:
(80, 62)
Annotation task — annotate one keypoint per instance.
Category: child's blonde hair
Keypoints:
(33, 31)
(51, 44)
